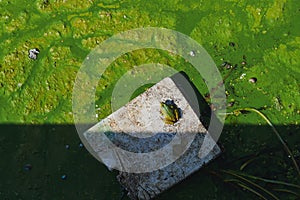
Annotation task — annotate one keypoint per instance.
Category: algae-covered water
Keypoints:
(39, 143)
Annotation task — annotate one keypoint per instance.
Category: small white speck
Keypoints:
(19, 84)
(192, 53)
(88, 58)
(243, 75)
(32, 53)
(96, 115)
(124, 16)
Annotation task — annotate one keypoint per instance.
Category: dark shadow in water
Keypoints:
(55, 150)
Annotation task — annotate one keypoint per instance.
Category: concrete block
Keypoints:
(160, 155)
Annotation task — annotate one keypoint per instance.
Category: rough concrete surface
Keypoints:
(138, 128)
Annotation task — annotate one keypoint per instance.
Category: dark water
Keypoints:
(44, 148)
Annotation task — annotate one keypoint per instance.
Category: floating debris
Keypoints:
(232, 44)
(253, 80)
(243, 75)
(80, 145)
(230, 104)
(227, 65)
(192, 53)
(67, 146)
(27, 167)
(32, 53)
(64, 177)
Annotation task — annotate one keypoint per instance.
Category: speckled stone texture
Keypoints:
(138, 127)
(148, 185)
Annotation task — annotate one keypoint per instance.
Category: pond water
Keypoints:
(259, 39)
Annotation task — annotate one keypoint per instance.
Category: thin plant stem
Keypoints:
(238, 182)
(268, 180)
(250, 182)
(247, 162)
(251, 190)
(287, 191)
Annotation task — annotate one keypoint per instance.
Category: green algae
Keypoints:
(266, 37)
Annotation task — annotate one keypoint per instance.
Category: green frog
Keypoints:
(170, 112)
